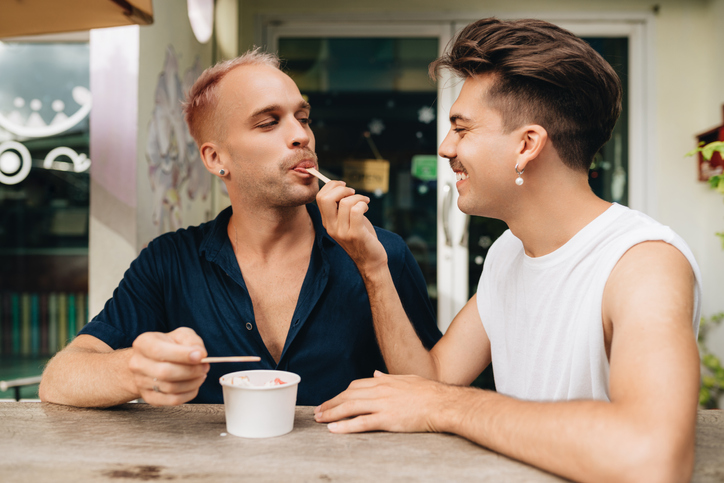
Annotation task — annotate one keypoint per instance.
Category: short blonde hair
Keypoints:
(202, 99)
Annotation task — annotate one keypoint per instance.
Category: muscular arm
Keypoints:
(646, 431)
(458, 357)
(89, 373)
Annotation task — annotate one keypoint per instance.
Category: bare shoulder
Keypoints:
(652, 262)
(652, 277)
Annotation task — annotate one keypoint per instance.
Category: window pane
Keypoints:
(44, 100)
(374, 120)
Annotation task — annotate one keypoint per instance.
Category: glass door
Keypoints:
(375, 117)
(44, 200)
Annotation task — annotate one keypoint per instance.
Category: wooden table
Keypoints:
(137, 442)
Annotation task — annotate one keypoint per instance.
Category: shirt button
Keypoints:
(249, 326)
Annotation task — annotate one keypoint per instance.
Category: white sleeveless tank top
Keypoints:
(543, 315)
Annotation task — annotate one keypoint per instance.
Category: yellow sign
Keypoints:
(371, 175)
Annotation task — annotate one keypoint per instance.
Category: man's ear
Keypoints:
(212, 159)
(532, 141)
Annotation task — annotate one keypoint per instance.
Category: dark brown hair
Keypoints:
(543, 75)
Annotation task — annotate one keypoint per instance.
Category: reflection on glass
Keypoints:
(374, 119)
(44, 88)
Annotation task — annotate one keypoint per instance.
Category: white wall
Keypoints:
(126, 63)
(170, 38)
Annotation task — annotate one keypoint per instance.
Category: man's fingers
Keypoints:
(167, 371)
(351, 392)
(163, 348)
(176, 387)
(351, 210)
(360, 424)
(328, 197)
(161, 399)
(186, 336)
(346, 409)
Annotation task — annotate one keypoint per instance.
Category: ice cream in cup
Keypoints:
(259, 403)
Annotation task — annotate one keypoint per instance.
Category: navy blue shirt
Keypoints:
(191, 278)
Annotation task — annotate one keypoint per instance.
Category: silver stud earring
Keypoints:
(519, 180)
(222, 172)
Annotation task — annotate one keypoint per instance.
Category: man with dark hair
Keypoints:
(588, 310)
(263, 278)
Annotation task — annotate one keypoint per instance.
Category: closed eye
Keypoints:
(267, 124)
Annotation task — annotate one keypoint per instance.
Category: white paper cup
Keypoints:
(259, 411)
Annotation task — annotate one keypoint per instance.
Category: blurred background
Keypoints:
(95, 160)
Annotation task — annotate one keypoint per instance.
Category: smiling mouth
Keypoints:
(459, 170)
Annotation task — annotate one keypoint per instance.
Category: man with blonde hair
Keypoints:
(263, 278)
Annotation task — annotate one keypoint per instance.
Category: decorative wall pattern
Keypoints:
(175, 167)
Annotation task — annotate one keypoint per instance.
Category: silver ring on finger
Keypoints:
(155, 387)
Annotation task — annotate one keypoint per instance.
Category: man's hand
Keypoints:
(343, 217)
(166, 367)
(390, 403)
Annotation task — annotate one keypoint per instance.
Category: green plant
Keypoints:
(712, 372)
(716, 181)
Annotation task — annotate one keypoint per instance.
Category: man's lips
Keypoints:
(460, 175)
(304, 164)
(301, 168)
(460, 172)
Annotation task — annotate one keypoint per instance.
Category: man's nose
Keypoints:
(299, 136)
(447, 147)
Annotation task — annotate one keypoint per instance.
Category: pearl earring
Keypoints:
(222, 172)
(519, 180)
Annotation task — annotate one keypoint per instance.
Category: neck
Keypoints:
(271, 232)
(551, 212)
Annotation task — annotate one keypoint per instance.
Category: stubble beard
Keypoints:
(274, 189)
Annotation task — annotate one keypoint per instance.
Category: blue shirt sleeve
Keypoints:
(137, 305)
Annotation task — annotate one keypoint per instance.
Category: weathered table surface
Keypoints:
(137, 442)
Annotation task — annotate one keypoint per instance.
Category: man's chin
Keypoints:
(301, 199)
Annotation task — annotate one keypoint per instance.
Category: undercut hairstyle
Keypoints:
(200, 107)
(545, 75)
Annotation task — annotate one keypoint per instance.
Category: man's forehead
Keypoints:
(256, 87)
(471, 100)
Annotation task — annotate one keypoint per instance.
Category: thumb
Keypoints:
(379, 374)
(187, 337)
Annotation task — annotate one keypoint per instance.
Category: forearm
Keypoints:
(581, 440)
(81, 377)
(401, 347)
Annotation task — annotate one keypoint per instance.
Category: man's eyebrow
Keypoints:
(266, 110)
(458, 117)
(277, 107)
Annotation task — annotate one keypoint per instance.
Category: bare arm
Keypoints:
(646, 432)
(89, 373)
(458, 357)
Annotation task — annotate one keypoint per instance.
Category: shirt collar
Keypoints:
(216, 235)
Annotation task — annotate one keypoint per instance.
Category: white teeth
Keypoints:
(459, 175)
